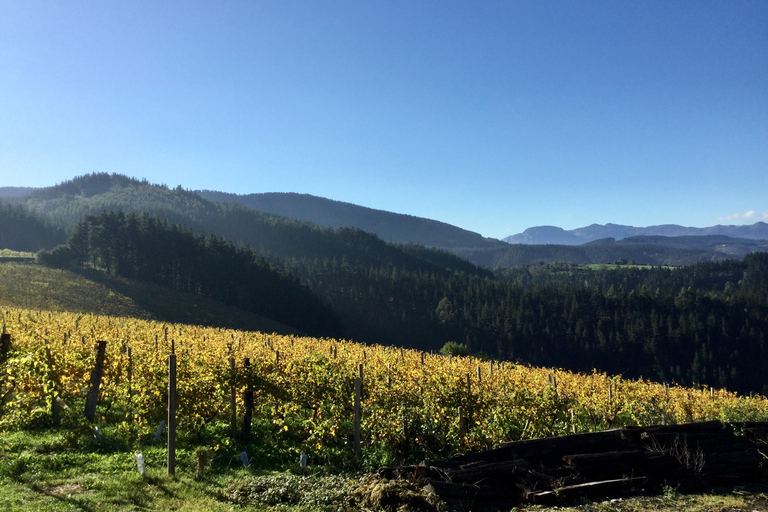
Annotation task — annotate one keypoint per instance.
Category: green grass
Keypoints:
(31, 286)
(40, 470)
(67, 470)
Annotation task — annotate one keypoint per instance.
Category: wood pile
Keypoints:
(601, 464)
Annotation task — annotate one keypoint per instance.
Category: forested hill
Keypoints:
(22, 231)
(230, 215)
(148, 249)
(392, 227)
(275, 236)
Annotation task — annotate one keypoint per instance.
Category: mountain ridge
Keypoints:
(389, 226)
(65, 203)
(542, 235)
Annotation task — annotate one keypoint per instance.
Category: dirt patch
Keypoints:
(66, 489)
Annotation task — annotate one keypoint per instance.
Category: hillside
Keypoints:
(271, 397)
(260, 220)
(703, 323)
(30, 286)
(392, 227)
(22, 231)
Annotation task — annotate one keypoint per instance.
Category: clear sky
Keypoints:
(493, 116)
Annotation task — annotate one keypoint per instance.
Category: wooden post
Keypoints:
(469, 386)
(358, 400)
(422, 358)
(490, 368)
(172, 415)
(93, 392)
(129, 371)
(5, 345)
(247, 400)
(232, 398)
(479, 373)
(54, 397)
(462, 422)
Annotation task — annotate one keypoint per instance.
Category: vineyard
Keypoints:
(412, 404)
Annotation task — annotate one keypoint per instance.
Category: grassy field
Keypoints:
(65, 470)
(62, 470)
(7, 253)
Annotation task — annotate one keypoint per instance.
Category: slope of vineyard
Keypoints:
(25, 285)
(304, 388)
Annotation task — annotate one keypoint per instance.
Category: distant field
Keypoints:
(7, 253)
(614, 266)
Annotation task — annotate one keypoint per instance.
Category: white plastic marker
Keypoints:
(303, 460)
(140, 465)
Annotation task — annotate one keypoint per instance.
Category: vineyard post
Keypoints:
(469, 399)
(54, 404)
(232, 397)
(93, 391)
(462, 422)
(5, 345)
(247, 400)
(358, 399)
(129, 371)
(172, 414)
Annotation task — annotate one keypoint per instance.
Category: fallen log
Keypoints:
(613, 461)
(505, 470)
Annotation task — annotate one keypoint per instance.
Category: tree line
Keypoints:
(145, 248)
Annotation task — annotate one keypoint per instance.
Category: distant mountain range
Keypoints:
(541, 235)
(63, 205)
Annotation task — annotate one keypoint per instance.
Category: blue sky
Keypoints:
(492, 116)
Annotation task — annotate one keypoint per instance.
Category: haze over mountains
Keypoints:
(656, 245)
(560, 236)
(392, 227)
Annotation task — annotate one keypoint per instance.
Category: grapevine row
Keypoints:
(303, 387)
